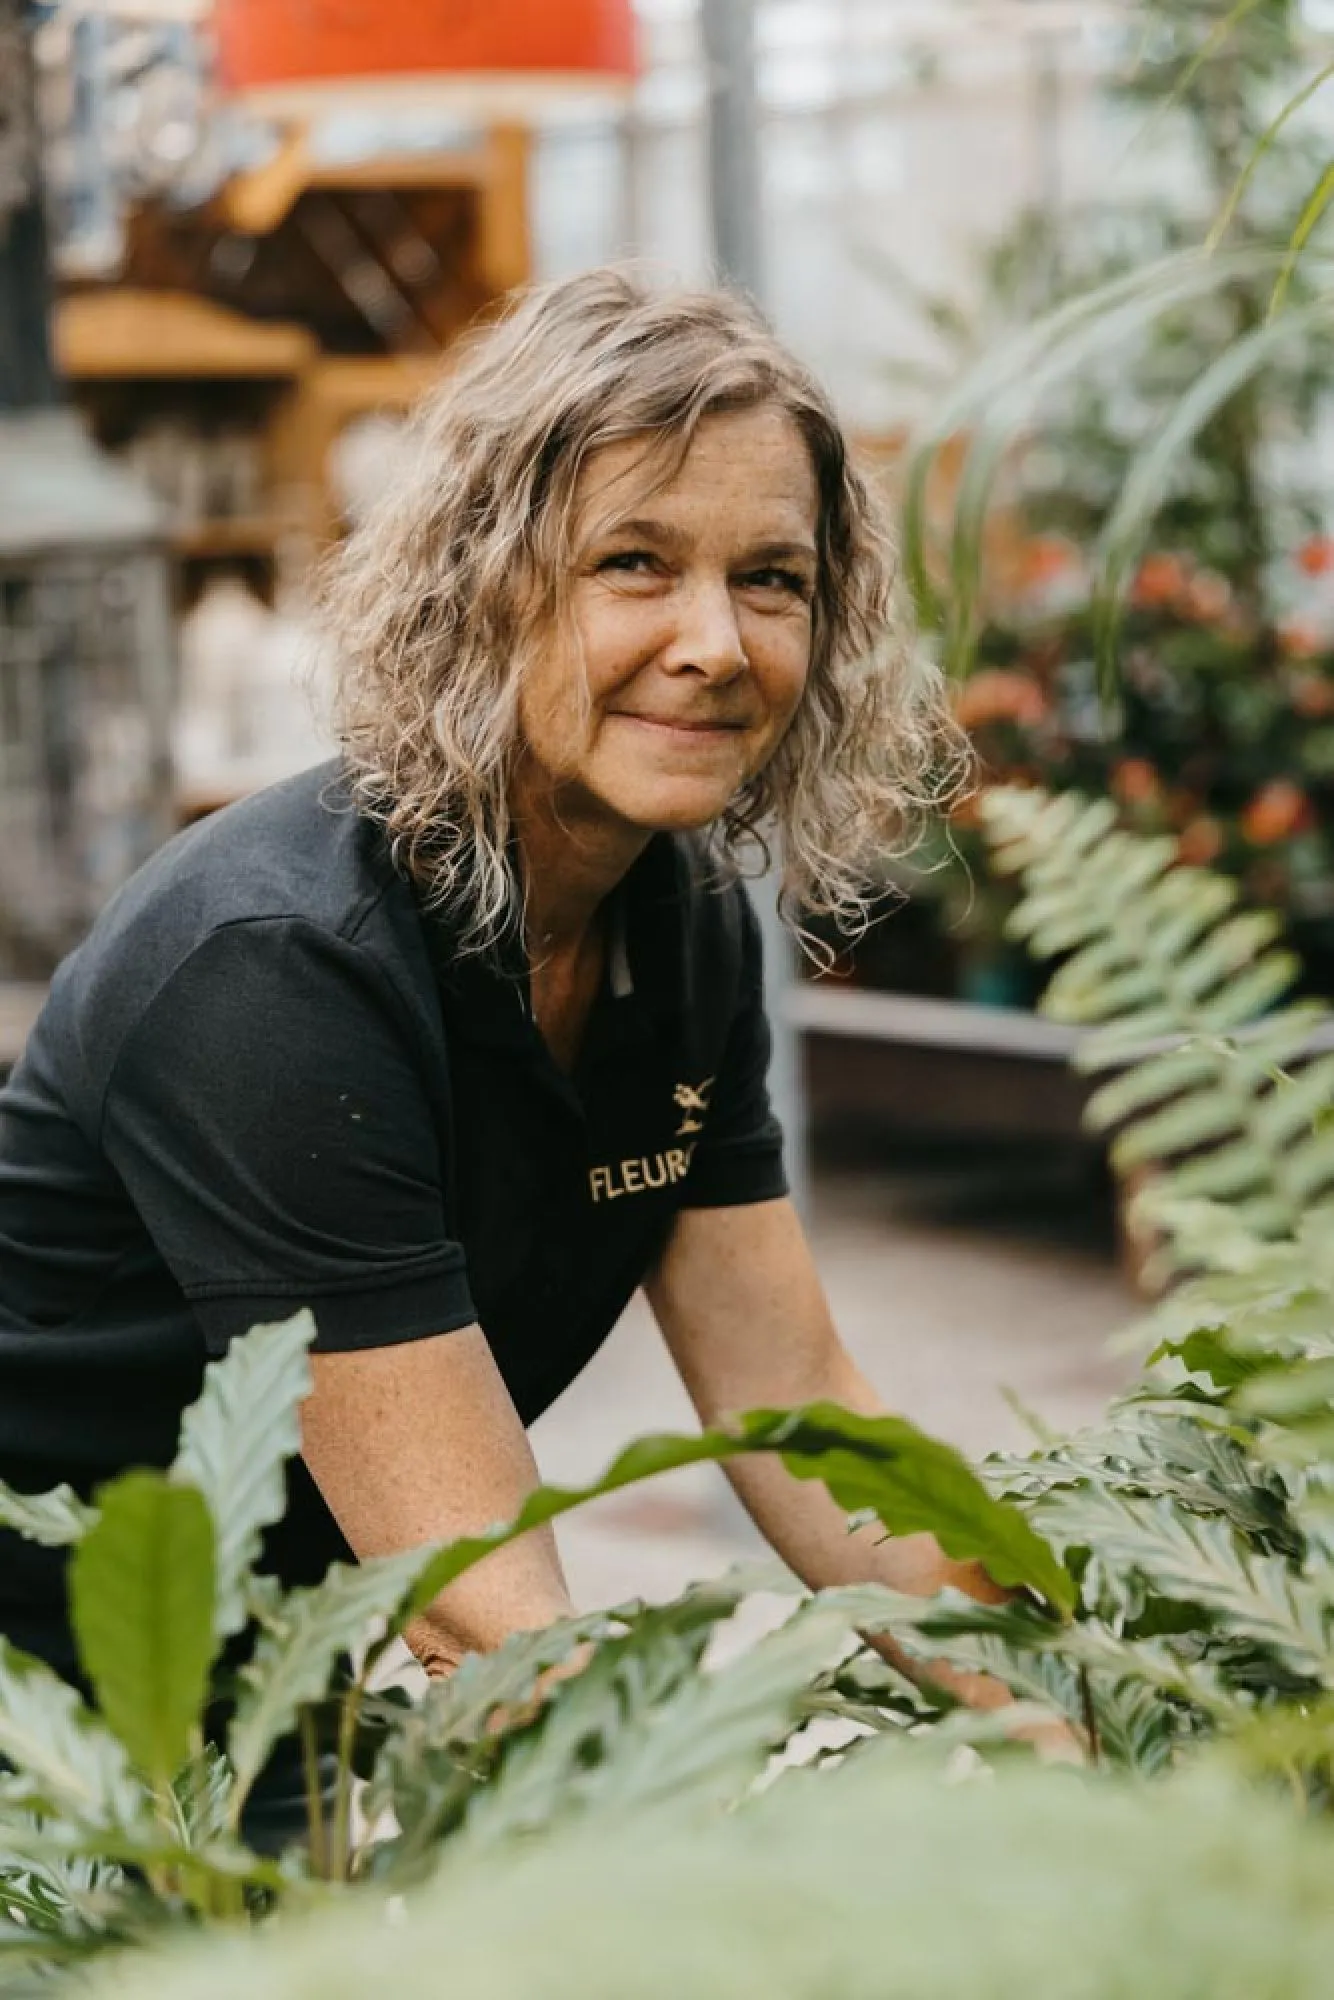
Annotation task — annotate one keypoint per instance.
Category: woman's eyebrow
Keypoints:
(784, 552)
(662, 534)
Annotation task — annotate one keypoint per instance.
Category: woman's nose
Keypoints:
(707, 638)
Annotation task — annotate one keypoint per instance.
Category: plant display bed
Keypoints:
(936, 1066)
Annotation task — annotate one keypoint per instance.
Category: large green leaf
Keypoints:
(623, 1737)
(235, 1442)
(141, 1599)
(56, 1518)
(295, 1656)
(66, 1761)
(911, 1482)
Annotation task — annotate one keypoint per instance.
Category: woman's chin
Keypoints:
(681, 806)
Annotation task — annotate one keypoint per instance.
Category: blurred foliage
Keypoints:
(1151, 424)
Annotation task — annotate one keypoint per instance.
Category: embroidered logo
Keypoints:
(692, 1101)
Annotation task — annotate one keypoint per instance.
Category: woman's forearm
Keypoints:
(420, 1443)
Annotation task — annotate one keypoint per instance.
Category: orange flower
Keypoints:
(1201, 842)
(1000, 694)
(1313, 696)
(1159, 582)
(1276, 812)
(1316, 555)
(1044, 558)
(1300, 640)
(1208, 596)
(1135, 782)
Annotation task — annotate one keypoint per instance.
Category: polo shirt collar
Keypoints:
(645, 979)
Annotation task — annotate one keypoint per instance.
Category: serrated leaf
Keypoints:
(65, 1759)
(294, 1659)
(1256, 1597)
(141, 1602)
(705, 1739)
(235, 1443)
(57, 1518)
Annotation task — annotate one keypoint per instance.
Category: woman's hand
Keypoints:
(744, 1315)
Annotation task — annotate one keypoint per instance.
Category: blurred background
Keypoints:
(236, 241)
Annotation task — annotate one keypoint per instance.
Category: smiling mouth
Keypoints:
(683, 728)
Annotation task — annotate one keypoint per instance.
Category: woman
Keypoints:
(462, 1040)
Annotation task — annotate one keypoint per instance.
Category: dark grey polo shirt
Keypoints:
(267, 1081)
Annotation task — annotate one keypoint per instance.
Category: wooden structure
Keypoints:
(246, 334)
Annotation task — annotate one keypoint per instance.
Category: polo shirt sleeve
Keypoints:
(269, 1114)
(739, 1155)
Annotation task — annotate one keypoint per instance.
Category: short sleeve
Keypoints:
(271, 1117)
(739, 1156)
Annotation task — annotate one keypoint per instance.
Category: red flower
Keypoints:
(1316, 555)
(1276, 812)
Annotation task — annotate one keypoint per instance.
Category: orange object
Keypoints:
(1316, 555)
(1159, 582)
(1276, 812)
(999, 694)
(1201, 842)
(289, 49)
(1135, 782)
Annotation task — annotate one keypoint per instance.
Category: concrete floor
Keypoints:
(953, 1277)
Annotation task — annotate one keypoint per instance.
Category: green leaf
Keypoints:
(1317, 202)
(1262, 147)
(1193, 1121)
(66, 1761)
(1149, 1083)
(1258, 1598)
(1122, 540)
(141, 1600)
(56, 1518)
(235, 1441)
(911, 1482)
(1252, 994)
(295, 1656)
(604, 1748)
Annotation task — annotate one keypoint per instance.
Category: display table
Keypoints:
(943, 1067)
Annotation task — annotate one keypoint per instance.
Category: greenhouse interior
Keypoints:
(931, 762)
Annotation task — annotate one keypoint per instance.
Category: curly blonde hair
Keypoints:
(440, 595)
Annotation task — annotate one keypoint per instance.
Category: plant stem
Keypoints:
(342, 1812)
(1090, 1717)
(310, 1762)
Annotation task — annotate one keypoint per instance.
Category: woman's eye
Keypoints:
(630, 562)
(788, 581)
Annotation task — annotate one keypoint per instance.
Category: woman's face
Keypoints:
(691, 627)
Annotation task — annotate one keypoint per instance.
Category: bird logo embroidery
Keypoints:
(692, 1101)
